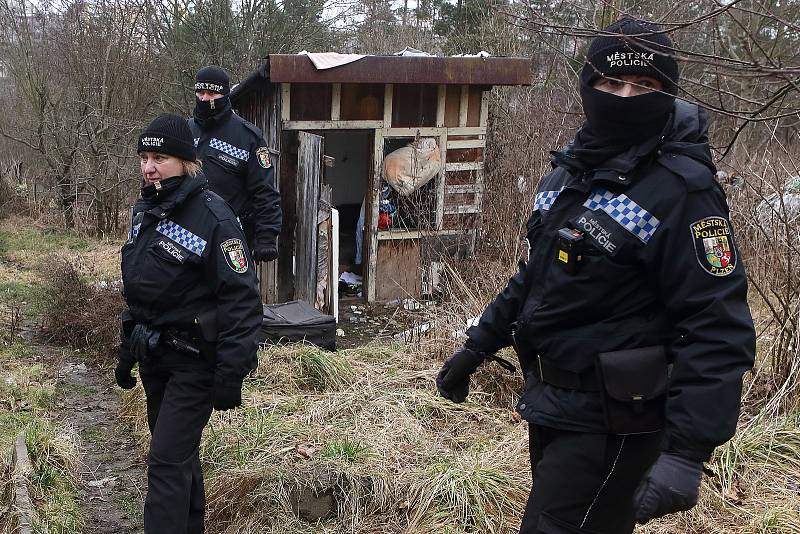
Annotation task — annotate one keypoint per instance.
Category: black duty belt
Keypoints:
(548, 373)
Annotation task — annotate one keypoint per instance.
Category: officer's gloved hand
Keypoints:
(453, 379)
(125, 363)
(265, 248)
(227, 393)
(671, 485)
(143, 342)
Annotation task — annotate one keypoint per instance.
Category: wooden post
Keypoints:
(388, 96)
(441, 102)
(22, 500)
(463, 110)
(336, 102)
(309, 165)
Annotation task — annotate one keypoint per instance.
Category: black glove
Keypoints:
(125, 363)
(453, 380)
(144, 341)
(265, 248)
(227, 393)
(671, 485)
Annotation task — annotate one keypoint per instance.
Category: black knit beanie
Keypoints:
(168, 134)
(212, 78)
(649, 53)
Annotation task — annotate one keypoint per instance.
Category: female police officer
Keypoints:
(630, 316)
(193, 311)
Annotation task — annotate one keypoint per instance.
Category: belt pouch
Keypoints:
(208, 330)
(634, 389)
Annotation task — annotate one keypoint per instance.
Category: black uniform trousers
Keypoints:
(584, 483)
(179, 404)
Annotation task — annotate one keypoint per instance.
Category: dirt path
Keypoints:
(113, 469)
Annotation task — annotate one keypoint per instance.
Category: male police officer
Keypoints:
(236, 162)
(630, 315)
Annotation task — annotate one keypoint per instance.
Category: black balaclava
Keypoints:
(212, 78)
(614, 124)
(167, 134)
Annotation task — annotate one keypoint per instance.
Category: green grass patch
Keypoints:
(321, 370)
(54, 480)
(26, 393)
(16, 240)
(30, 298)
(243, 438)
(345, 451)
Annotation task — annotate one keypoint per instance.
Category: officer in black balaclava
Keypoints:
(629, 313)
(236, 162)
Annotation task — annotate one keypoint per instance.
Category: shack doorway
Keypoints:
(348, 178)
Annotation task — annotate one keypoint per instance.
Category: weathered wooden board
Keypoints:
(309, 166)
(398, 273)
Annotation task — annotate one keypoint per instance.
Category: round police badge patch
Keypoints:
(233, 250)
(713, 244)
(263, 157)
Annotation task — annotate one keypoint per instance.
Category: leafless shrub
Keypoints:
(764, 193)
(79, 315)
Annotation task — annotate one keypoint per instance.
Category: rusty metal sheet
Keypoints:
(397, 69)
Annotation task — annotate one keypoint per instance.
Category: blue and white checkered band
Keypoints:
(182, 236)
(626, 212)
(598, 199)
(134, 231)
(229, 149)
(545, 199)
(196, 141)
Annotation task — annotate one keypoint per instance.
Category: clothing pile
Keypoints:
(350, 284)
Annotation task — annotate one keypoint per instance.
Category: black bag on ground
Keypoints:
(297, 321)
(634, 389)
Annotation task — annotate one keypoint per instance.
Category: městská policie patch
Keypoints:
(233, 250)
(714, 246)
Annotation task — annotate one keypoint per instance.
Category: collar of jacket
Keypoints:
(162, 206)
(216, 119)
(686, 133)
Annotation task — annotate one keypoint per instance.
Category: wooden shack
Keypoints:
(328, 132)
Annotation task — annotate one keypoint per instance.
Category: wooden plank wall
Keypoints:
(263, 110)
(455, 114)
(309, 161)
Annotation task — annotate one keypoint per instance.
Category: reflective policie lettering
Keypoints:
(172, 250)
(600, 235)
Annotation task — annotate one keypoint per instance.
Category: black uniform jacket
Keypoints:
(185, 255)
(660, 267)
(238, 167)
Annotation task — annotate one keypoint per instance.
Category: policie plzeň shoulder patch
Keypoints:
(235, 257)
(713, 245)
(262, 154)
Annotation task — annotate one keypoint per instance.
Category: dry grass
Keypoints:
(382, 453)
(364, 427)
(80, 315)
(27, 395)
